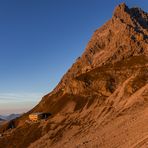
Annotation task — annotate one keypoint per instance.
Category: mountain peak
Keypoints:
(135, 16)
(120, 10)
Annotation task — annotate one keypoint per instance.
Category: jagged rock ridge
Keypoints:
(104, 95)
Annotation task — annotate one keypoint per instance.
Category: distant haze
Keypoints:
(18, 103)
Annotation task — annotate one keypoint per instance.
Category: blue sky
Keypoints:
(39, 41)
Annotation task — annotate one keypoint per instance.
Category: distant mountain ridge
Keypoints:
(2, 117)
(1, 120)
(9, 117)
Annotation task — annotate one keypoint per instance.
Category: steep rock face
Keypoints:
(115, 52)
(102, 101)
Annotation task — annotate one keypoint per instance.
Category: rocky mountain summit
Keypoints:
(102, 101)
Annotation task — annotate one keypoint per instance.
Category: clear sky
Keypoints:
(39, 41)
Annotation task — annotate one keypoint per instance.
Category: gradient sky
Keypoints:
(39, 41)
